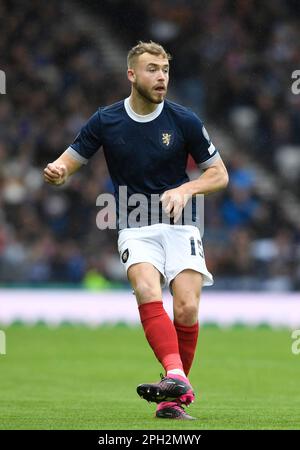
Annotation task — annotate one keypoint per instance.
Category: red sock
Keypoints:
(161, 334)
(187, 341)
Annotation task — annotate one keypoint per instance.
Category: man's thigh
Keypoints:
(187, 284)
(145, 280)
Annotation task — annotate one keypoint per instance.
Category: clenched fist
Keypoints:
(55, 173)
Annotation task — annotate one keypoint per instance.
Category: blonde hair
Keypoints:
(146, 47)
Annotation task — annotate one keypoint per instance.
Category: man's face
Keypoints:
(150, 77)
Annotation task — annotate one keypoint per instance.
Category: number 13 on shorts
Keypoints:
(199, 247)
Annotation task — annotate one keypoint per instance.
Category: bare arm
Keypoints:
(59, 170)
(214, 178)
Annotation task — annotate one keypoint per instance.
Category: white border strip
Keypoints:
(96, 308)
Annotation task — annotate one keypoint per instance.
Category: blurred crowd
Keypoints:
(232, 64)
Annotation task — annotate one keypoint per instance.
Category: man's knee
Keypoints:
(186, 310)
(145, 290)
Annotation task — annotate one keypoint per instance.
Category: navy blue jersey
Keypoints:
(148, 154)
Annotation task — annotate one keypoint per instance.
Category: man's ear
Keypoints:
(131, 75)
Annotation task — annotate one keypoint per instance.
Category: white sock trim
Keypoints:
(176, 372)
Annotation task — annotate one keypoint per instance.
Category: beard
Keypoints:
(147, 94)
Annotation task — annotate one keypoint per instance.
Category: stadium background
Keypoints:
(232, 64)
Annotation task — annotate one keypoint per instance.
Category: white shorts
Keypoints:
(169, 248)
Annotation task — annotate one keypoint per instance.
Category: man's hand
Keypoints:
(173, 202)
(55, 173)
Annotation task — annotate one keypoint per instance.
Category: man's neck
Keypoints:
(140, 105)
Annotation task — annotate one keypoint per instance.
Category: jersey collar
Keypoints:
(142, 118)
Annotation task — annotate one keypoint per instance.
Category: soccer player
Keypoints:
(146, 140)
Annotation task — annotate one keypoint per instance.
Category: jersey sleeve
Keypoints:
(88, 140)
(199, 144)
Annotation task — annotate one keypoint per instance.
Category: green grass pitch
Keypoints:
(74, 377)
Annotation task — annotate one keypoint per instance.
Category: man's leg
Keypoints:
(159, 329)
(186, 288)
(161, 335)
